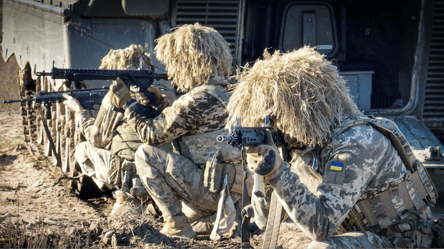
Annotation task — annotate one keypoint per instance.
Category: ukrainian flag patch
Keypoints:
(336, 166)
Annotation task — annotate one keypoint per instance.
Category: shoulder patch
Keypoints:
(336, 166)
(334, 172)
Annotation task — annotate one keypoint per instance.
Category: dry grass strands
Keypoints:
(193, 54)
(131, 57)
(301, 91)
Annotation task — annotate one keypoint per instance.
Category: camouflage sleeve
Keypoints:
(193, 113)
(99, 131)
(350, 162)
(85, 123)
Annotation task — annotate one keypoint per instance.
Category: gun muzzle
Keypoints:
(43, 73)
(221, 138)
(9, 101)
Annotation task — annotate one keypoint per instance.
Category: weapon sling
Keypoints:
(273, 223)
(48, 134)
(246, 212)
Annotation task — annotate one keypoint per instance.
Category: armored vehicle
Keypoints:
(390, 52)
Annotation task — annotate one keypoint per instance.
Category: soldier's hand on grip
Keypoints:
(162, 101)
(72, 103)
(264, 160)
(119, 94)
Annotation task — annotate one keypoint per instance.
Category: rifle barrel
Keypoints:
(8, 101)
(43, 73)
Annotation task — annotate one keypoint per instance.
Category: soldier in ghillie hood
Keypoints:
(107, 155)
(359, 192)
(198, 61)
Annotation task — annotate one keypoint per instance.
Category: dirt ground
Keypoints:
(36, 213)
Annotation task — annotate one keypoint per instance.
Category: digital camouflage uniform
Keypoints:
(171, 177)
(110, 145)
(357, 166)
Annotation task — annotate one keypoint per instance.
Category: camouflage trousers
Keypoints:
(363, 239)
(98, 164)
(173, 180)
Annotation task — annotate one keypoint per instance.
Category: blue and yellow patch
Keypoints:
(336, 166)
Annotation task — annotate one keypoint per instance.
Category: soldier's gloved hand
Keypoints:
(264, 160)
(141, 98)
(119, 94)
(72, 103)
(162, 102)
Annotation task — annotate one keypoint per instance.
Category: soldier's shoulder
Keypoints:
(209, 92)
(199, 97)
(208, 88)
(360, 134)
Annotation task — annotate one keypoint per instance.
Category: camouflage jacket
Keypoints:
(110, 132)
(355, 165)
(193, 113)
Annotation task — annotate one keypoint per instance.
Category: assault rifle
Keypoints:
(89, 99)
(92, 98)
(141, 78)
(241, 138)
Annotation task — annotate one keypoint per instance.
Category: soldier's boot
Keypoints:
(204, 225)
(121, 199)
(152, 209)
(177, 226)
(139, 191)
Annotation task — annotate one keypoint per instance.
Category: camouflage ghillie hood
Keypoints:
(300, 91)
(131, 57)
(193, 54)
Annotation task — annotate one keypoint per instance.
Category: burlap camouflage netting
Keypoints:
(132, 57)
(193, 54)
(301, 91)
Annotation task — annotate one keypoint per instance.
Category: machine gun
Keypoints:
(241, 138)
(141, 78)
